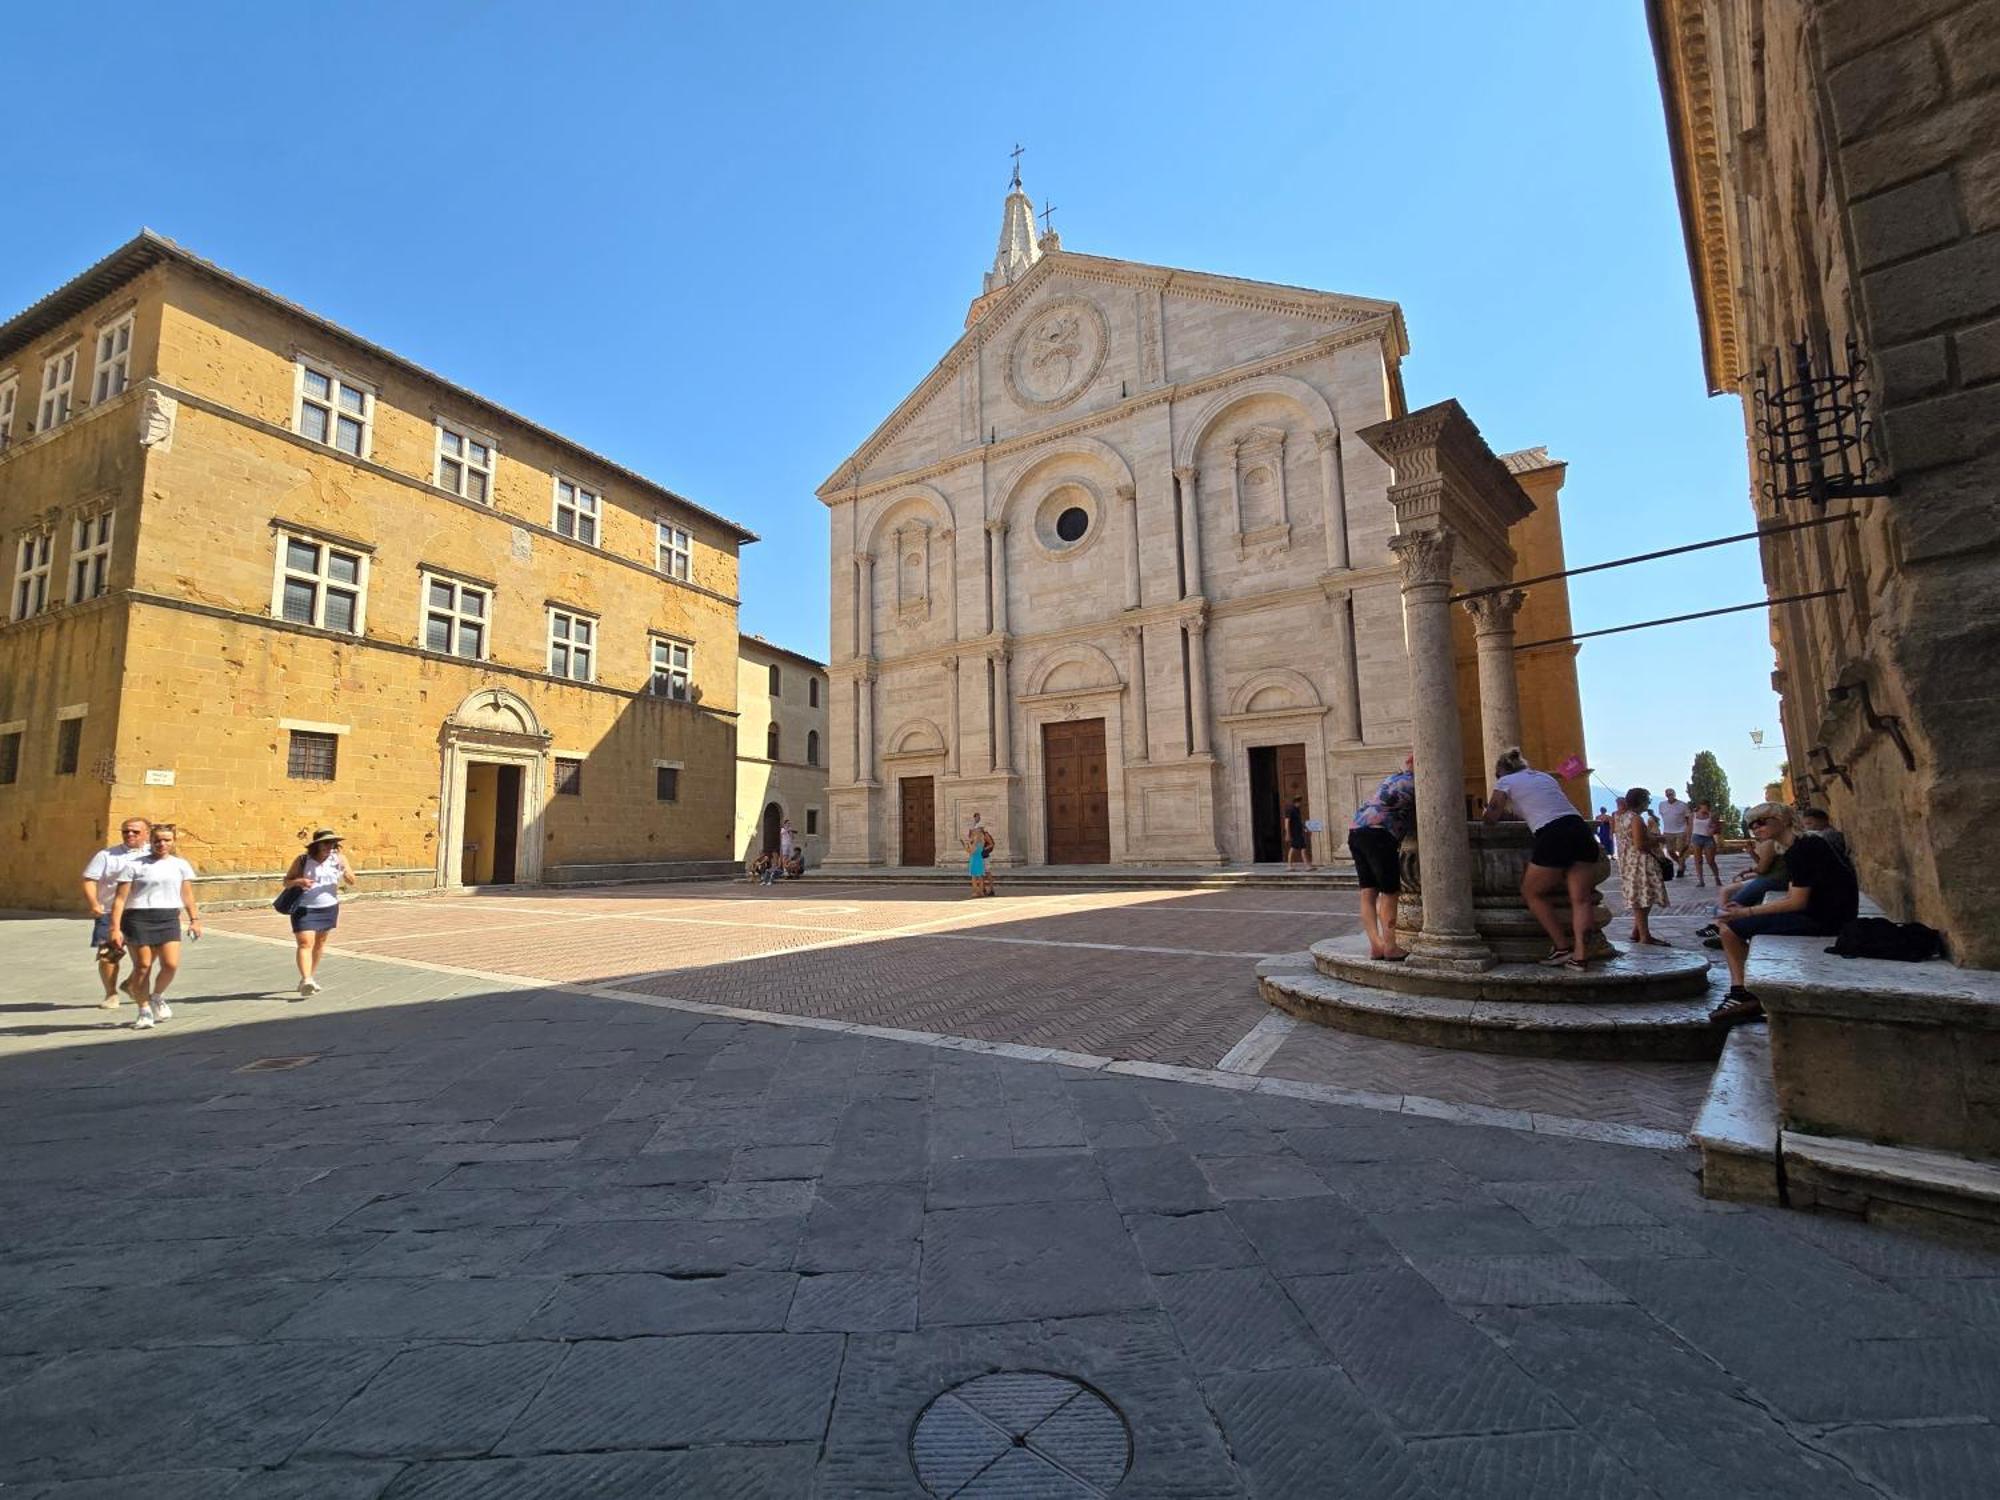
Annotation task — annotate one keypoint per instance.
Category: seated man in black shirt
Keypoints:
(1823, 898)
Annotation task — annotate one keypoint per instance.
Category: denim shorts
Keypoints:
(1778, 924)
(100, 930)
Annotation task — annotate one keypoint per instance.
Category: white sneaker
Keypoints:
(162, 1011)
(308, 986)
(145, 1021)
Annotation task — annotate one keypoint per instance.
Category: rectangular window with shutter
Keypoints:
(569, 777)
(69, 746)
(667, 783)
(10, 758)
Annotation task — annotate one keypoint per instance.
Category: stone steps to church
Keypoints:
(1338, 878)
(1658, 1030)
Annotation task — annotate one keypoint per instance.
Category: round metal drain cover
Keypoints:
(1021, 1433)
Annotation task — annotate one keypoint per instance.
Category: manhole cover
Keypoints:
(278, 1064)
(1021, 1433)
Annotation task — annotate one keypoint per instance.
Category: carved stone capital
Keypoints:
(996, 528)
(1328, 438)
(1422, 557)
(1187, 474)
(1197, 626)
(1495, 612)
(1132, 633)
(864, 559)
(1129, 493)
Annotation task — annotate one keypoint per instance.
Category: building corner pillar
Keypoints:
(997, 531)
(1003, 713)
(1197, 629)
(1190, 485)
(1444, 847)
(1128, 496)
(1333, 494)
(1135, 668)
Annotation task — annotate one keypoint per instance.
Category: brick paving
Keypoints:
(497, 1238)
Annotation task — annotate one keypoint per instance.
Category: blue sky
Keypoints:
(719, 243)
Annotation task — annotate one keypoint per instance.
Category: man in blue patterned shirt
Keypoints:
(1374, 839)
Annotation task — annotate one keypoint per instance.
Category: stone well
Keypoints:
(1499, 914)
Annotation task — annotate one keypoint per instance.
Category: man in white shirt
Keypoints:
(100, 889)
(1674, 831)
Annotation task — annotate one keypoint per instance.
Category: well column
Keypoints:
(1499, 688)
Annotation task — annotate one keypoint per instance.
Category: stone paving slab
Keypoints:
(508, 1239)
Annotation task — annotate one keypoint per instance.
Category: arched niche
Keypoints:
(1090, 460)
(911, 540)
(1274, 690)
(495, 711)
(915, 737)
(1073, 668)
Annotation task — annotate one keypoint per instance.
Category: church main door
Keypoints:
(1277, 775)
(1079, 802)
(919, 820)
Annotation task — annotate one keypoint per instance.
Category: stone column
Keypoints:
(951, 735)
(1499, 689)
(1135, 657)
(1346, 666)
(997, 530)
(1003, 714)
(1333, 496)
(1444, 849)
(864, 763)
(1190, 478)
(1197, 629)
(1130, 498)
(864, 604)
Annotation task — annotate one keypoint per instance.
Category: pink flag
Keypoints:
(1571, 768)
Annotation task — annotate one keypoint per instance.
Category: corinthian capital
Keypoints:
(1422, 557)
(996, 528)
(1328, 438)
(864, 559)
(1491, 612)
(1187, 474)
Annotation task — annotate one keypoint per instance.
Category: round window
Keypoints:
(1073, 523)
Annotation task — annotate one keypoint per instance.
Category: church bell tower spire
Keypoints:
(1019, 246)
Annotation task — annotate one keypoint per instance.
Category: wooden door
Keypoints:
(506, 824)
(1079, 800)
(919, 820)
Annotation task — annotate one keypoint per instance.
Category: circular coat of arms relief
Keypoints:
(1058, 353)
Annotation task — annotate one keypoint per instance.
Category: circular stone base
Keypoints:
(1635, 974)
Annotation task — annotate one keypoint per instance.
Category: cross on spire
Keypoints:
(1047, 211)
(1016, 154)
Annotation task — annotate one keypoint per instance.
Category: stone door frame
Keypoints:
(471, 736)
(1274, 727)
(1106, 703)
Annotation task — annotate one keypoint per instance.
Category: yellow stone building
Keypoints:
(265, 576)
(781, 749)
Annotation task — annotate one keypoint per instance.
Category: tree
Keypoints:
(1708, 782)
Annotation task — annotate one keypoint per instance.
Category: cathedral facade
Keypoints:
(1115, 576)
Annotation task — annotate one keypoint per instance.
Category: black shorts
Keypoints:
(1377, 862)
(1298, 839)
(1565, 842)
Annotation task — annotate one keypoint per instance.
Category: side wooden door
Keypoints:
(919, 820)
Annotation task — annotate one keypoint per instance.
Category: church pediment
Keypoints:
(1083, 331)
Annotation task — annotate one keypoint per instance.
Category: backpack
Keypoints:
(1878, 937)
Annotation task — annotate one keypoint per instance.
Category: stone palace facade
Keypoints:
(1116, 577)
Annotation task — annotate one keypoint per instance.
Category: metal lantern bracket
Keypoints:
(1815, 435)
(1889, 724)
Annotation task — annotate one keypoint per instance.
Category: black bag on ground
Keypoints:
(1878, 937)
(288, 900)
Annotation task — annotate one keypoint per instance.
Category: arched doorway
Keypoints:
(773, 816)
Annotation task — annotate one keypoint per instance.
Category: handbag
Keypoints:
(288, 900)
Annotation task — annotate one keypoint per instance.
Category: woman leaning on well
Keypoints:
(320, 873)
(154, 888)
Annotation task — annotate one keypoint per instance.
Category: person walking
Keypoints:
(100, 889)
(1639, 865)
(1374, 842)
(153, 890)
(321, 872)
(1674, 827)
(1606, 835)
(1564, 856)
(1298, 842)
(1703, 827)
(978, 848)
(787, 841)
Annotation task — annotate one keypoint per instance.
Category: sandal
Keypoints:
(1738, 1006)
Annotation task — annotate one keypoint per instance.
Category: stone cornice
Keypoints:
(840, 488)
(1685, 55)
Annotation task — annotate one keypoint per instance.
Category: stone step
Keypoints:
(1934, 1191)
(1659, 1030)
(1635, 974)
(1326, 878)
(1737, 1129)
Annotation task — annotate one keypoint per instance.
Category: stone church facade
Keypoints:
(1116, 575)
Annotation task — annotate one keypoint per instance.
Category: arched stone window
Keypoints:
(771, 743)
(777, 681)
(812, 747)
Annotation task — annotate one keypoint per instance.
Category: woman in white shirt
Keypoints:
(1704, 825)
(1565, 854)
(319, 872)
(153, 889)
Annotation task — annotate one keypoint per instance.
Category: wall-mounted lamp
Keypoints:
(1889, 724)
(1830, 768)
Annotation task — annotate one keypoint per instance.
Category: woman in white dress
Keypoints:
(154, 888)
(319, 872)
(1639, 864)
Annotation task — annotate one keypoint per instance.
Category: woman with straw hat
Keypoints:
(318, 874)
